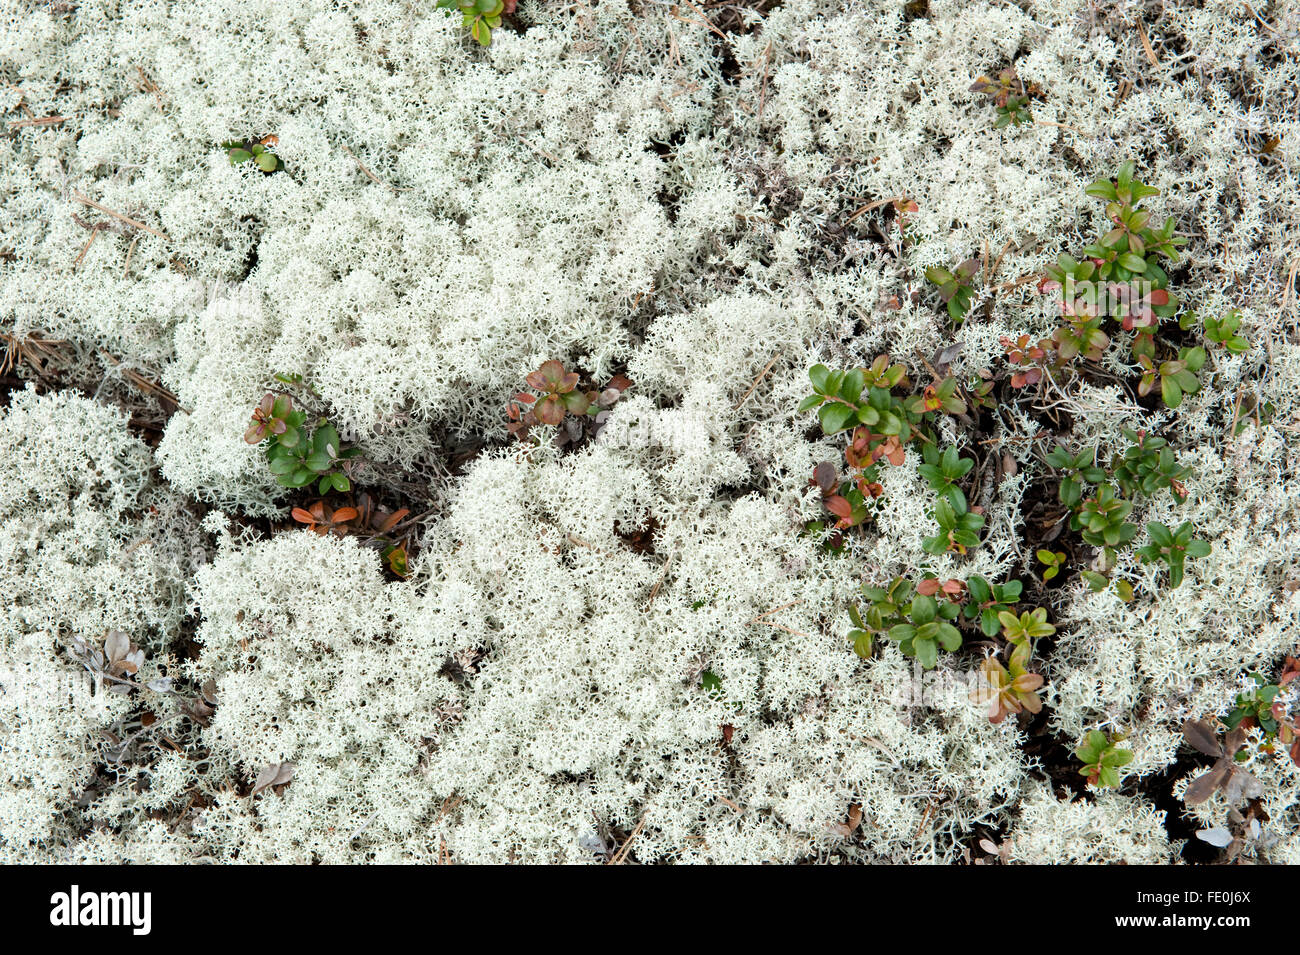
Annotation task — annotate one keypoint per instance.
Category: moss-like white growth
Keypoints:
(608, 190)
(1111, 829)
(80, 554)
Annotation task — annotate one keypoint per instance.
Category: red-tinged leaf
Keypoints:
(893, 452)
(839, 506)
(392, 520)
(552, 372)
(1158, 297)
(567, 383)
(550, 411)
(928, 587)
(535, 379)
(256, 433)
(953, 587)
(1290, 670)
(1295, 752)
(345, 514)
(620, 383)
(525, 398)
(302, 517)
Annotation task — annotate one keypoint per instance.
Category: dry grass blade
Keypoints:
(85, 201)
(621, 855)
(1146, 44)
(761, 375)
(38, 121)
(370, 175)
(33, 350)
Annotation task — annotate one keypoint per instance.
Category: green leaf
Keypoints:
(902, 632)
(949, 637)
(927, 653)
(924, 609)
(835, 417)
(1160, 534)
(319, 461)
(818, 375)
(1170, 391)
(989, 622)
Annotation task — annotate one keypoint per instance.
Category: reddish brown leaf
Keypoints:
(1202, 787)
(1202, 738)
(824, 476)
(839, 506)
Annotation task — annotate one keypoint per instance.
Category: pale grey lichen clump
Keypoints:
(619, 188)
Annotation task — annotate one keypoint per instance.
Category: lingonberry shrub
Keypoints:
(296, 454)
(1078, 470)
(1176, 376)
(943, 470)
(988, 600)
(480, 17)
(1102, 758)
(955, 288)
(259, 151)
(1223, 331)
(1148, 465)
(576, 413)
(958, 530)
(1009, 689)
(1009, 96)
(1172, 548)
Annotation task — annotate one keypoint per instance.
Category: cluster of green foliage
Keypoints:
(919, 623)
(296, 454)
(883, 423)
(241, 151)
(1011, 688)
(1121, 277)
(1009, 96)
(1144, 468)
(1147, 466)
(1223, 331)
(1102, 758)
(955, 289)
(1172, 548)
(927, 617)
(480, 17)
(942, 470)
(1259, 707)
